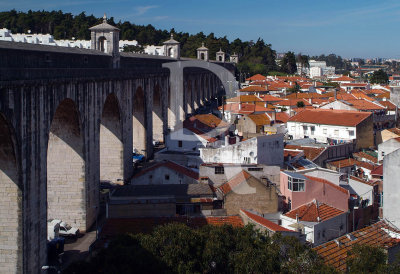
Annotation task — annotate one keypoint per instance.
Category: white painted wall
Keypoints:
(387, 147)
(162, 175)
(190, 141)
(391, 193)
(321, 132)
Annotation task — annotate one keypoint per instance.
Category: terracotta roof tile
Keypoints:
(309, 152)
(260, 119)
(244, 99)
(343, 79)
(257, 77)
(364, 155)
(388, 105)
(361, 104)
(253, 89)
(330, 117)
(264, 222)
(282, 116)
(314, 212)
(236, 180)
(334, 252)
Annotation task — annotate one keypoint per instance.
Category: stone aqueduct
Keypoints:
(69, 119)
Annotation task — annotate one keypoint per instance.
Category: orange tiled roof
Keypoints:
(289, 152)
(292, 102)
(366, 156)
(209, 120)
(245, 108)
(257, 77)
(353, 84)
(270, 98)
(239, 178)
(334, 253)
(343, 79)
(330, 117)
(384, 95)
(320, 180)
(344, 163)
(260, 119)
(364, 105)
(314, 212)
(253, 89)
(171, 165)
(282, 116)
(377, 171)
(264, 222)
(309, 152)
(244, 99)
(305, 96)
(388, 105)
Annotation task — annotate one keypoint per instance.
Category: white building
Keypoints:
(391, 193)
(388, 147)
(267, 150)
(315, 72)
(47, 39)
(154, 50)
(327, 126)
(318, 221)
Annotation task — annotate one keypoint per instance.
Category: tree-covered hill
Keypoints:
(254, 57)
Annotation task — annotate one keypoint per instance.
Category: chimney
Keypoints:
(240, 106)
(274, 116)
(226, 140)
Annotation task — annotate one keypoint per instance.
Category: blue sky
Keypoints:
(352, 28)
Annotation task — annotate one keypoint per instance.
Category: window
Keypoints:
(219, 170)
(166, 177)
(312, 130)
(295, 184)
(351, 132)
(179, 143)
(255, 169)
(305, 129)
(246, 160)
(336, 132)
(325, 131)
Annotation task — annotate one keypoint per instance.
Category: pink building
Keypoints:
(299, 189)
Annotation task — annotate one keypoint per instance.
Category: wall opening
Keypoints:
(158, 122)
(66, 167)
(10, 204)
(103, 44)
(220, 58)
(139, 122)
(111, 145)
(202, 56)
(171, 52)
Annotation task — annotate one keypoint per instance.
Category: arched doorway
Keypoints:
(66, 199)
(158, 122)
(111, 144)
(139, 122)
(10, 204)
(103, 44)
(171, 52)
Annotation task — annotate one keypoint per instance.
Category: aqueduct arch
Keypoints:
(111, 143)
(158, 122)
(10, 203)
(66, 167)
(139, 122)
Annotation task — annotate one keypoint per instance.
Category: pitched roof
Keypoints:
(236, 180)
(282, 116)
(353, 84)
(244, 98)
(314, 212)
(365, 156)
(330, 117)
(364, 105)
(388, 105)
(334, 253)
(378, 171)
(257, 77)
(394, 130)
(253, 89)
(343, 79)
(270, 98)
(171, 165)
(259, 119)
(309, 152)
(344, 163)
(292, 102)
(264, 222)
(320, 180)
(208, 120)
(245, 108)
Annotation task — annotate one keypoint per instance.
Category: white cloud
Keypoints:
(143, 9)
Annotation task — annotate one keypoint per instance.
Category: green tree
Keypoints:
(379, 77)
(366, 259)
(288, 63)
(300, 104)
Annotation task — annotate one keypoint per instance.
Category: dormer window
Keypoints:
(296, 184)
